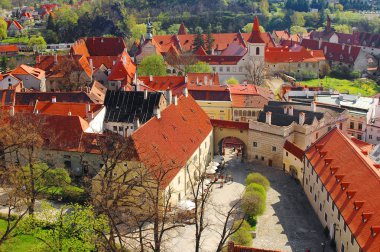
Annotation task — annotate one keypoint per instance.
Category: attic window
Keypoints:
(366, 216)
(350, 194)
(186, 41)
(344, 185)
(358, 204)
(161, 42)
(375, 230)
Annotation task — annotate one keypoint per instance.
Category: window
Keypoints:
(240, 69)
(254, 144)
(274, 149)
(360, 137)
(325, 217)
(287, 154)
(114, 128)
(316, 135)
(352, 125)
(333, 206)
(214, 69)
(257, 50)
(322, 188)
(345, 227)
(360, 126)
(338, 216)
(256, 157)
(320, 206)
(205, 145)
(262, 158)
(220, 69)
(248, 113)
(236, 113)
(315, 198)
(179, 196)
(228, 69)
(370, 136)
(121, 128)
(328, 198)
(311, 189)
(377, 138)
(67, 164)
(244, 113)
(352, 239)
(307, 181)
(240, 113)
(342, 249)
(101, 165)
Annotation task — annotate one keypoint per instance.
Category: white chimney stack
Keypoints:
(320, 43)
(12, 111)
(301, 120)
(268, 117)
(114, 62)
(185, 92)
(150, 78)
(169, 97)
(157, 112)
(91, 64)
(53, 99)
(88, 107)
(175, 100)
(205, 80)
(291, 110)
(313, 106)
(136, 123)
(55, 59)
(145, 94)
(285, 110)
(186, 78)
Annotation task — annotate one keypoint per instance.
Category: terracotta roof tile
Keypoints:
(63, 108)
(294, 149)
(363, 178)
(8, 48)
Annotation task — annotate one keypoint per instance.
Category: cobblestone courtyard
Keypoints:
(288, 224)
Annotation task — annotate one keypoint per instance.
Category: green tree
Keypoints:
(37, 43)
(5, 4)
(253, 203)
(3, 29)
(254, 187)
(343, 28)
(248, 28)
(297, 19)
(71, 228)
(258, 178)
(50, 24)
(242, 236)
(3, 64)
(199, 67)
(198, 39)
(232, 81)
(152, 65)
(173, 29)
(209, 43)
(297, 29)
(138, 30)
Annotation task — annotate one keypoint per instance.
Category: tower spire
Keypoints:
(182, 29)
(256, 25)
(149, 27)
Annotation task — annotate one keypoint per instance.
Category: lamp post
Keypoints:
(323, 245)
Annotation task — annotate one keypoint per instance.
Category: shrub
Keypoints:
(252, 220)
(74, 194)
(257, 178)
(253, 203)
(254, 187)
(243, 235)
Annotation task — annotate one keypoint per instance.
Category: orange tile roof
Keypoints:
(124, 70)
(63, 108)
(248, 101)
(27, 70)
(165, 145)
(8, 48)
(182, 29)
(282, 34)
(285, 54)
(174, 83)
(107, 61)
(16, 23)
(363, 180)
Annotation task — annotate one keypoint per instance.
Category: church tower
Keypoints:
(255, 43)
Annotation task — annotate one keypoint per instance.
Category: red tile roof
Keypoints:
(193, 77)
(285, 54)
(27, 70)
(165, 145)
(64, 108)
(182, 29)
(124, 70)
(364, 146)
(256, 33)
(8, 48)
(174, 83)
(99, 46)
(229, 124)
(294, 149)
(16, 23)
(107, 61)
(249, 96)
(46, 63)
(363, 178)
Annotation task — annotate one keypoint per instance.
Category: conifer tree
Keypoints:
(198, 39)
(209, 40)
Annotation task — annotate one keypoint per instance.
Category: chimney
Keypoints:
(53, 99)
(69, 114)
(205, 80)
(186, 79)
(136, 123)
(175, 100)
(12, 110)
(268, 118)
(91, 115)
(145, 94)
(285, 110)
(313, 106)
(349, 49)
(91, 64)
(88, 107)
(291, 110)
(55, 59)
(197, 82)
(150, 78)
(157, 112)
(185, 92)
(114, 62)
(320, 43)
(301, 120)
(325, 50)
(169, 96)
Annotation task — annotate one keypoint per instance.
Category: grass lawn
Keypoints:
(363, 86)
(13, 40)
(20, 243)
